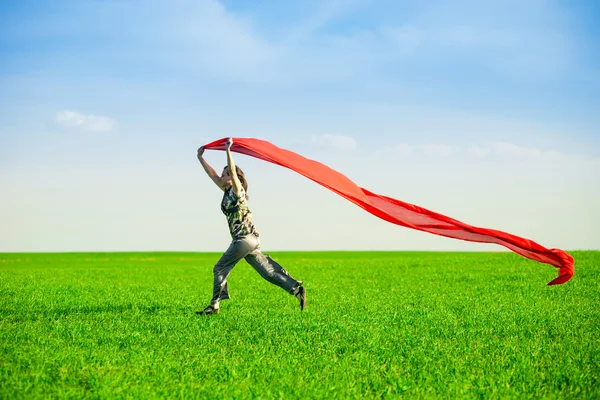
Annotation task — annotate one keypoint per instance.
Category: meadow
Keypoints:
(377, 325)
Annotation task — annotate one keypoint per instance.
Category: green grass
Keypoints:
(378, 324)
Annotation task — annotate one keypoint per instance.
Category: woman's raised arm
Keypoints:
(235, 181)
(212, 174)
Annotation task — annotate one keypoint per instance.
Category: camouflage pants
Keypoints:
(248, 248)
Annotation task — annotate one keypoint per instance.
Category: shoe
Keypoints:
(210, 310)
(301, 296)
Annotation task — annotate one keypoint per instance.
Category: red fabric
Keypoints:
(396, 211)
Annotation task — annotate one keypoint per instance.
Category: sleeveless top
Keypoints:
(239, 216)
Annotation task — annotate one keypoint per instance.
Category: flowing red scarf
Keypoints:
(396, 211)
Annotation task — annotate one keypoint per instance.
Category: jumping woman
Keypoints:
(245, 243)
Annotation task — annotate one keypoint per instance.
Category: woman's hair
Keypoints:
(241, 177)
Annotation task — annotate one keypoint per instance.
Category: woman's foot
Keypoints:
(210, 310)
(301, 296)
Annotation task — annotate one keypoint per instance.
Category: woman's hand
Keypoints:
(200, 152)
(229, 143)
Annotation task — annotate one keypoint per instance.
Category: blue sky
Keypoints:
(483, 111)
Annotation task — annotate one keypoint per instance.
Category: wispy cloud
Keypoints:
(433, 150)
(490, 150)
(91, 123)
(214, 38)
(207, 35)
(533, 44)
(478, 151)
(334, 141)
(513, 151)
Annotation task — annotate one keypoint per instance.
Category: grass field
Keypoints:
(378, 324)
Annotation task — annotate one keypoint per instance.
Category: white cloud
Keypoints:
(438, 149)
(211, 37)
(534, 44)
(336, 141)
(498, 150)
(527, 153)
(479, 151)
(403, 149)
(513, 151)
(92, 123)
(207, 35)
(406, 38)
(434, 150)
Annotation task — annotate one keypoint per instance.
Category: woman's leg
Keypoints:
(237, 250)
(272, 271)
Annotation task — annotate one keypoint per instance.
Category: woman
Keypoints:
(245, 243)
